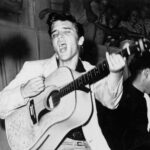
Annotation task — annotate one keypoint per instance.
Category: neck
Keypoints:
(72, 63)
(137, 83)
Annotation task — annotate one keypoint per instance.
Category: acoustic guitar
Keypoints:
(64, 105)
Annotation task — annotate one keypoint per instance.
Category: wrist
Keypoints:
(23, 93)
(25, 98)
(115, 78)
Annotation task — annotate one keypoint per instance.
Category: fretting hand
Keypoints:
(116, 62)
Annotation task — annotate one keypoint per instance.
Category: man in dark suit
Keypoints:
(130, 123)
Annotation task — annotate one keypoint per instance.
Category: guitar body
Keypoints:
(73, 110)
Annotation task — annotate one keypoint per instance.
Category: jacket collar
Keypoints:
(52, 65)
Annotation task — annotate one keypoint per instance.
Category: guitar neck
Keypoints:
(99, 72)
(102, 69)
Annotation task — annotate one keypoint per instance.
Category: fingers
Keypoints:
(38, 83)
(33, 87)
(115, 61)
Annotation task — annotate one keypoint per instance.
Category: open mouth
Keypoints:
(62, 47)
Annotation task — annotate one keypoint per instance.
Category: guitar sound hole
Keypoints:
(53, 99)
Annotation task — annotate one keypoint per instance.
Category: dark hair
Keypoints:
(64, 17)
(138, 63)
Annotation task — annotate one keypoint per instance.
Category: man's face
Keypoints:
(134, 16)
(103, 4)
(113, 21)
(65, 40)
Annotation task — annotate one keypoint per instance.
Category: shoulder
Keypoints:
(37, 67)
(33, 66)
(35, 63)
(38, 63)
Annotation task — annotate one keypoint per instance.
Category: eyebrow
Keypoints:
(67, 28)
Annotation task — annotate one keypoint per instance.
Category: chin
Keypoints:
(65, 59)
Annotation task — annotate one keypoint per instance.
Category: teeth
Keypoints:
(62, 47)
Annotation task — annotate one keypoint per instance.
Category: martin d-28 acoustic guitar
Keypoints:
(64, 105)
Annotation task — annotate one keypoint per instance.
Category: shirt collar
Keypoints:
(79, 68)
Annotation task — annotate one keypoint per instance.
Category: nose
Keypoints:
(60, 38)
(60, 35)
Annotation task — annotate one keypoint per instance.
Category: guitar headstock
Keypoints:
(143, 45)
(130, 47)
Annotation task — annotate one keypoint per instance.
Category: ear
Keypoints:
(81, 41)
(146, 72)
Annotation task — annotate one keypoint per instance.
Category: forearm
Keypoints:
(10, 99)
(109, 92)
(12, 96)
